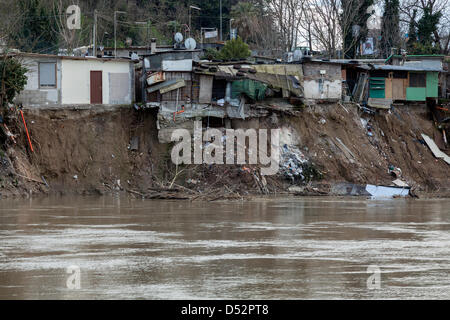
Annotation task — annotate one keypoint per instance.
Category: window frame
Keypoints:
(420, 80)
(56, 75)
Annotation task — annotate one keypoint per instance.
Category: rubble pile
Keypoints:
(294, 166)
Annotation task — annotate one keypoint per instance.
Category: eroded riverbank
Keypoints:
(96, 151)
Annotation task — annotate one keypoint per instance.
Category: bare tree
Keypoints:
(287, 16)
(70, 38)
(324, 23)
(320, 22)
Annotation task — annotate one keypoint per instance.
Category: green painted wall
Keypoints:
(432, 84)
(416, 94)
(377, 87)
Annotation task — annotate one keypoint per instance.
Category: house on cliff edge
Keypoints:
(55, 81)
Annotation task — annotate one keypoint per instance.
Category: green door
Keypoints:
(432, 84)
(377, 87)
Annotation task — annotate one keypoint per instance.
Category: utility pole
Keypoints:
(148, 33)
(95, 34)
(231, 34)
(221, 20)
(196, 8)
(115, 31)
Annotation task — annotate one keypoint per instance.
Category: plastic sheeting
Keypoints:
(252, 89)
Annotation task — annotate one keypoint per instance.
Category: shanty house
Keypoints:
(410, 82)
(322, 80)
(64, 80)
(409, 77)
(169, 76)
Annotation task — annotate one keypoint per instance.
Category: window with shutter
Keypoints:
(47, 74)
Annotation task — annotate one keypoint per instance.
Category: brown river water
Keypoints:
(285, 248)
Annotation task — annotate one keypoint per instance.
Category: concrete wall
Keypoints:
(322, 81)
(117, 77)
(33, 96)
(156, 60)
(314, 89)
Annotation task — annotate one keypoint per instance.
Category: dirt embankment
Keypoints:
(95, 152)
(375, 143)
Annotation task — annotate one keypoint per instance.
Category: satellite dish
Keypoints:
(190, 44)
(178, 37)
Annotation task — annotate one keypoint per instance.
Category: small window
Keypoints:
(47, 74)
(400, 74)
(417, 80)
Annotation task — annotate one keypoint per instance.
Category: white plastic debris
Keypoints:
(192, 181)
(382, 192)
(291, 162)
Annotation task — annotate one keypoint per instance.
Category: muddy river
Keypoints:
(303, 248)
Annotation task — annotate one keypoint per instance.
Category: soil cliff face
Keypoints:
(375, 143)
(87, 151)
(83, 151)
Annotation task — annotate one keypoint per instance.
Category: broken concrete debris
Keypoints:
(400, 183)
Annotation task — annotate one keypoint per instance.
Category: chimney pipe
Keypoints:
(153, 46)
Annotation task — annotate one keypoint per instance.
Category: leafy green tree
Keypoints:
(427, 25)
(412, 32)
(234, 49)
(245, 17)
(211, 54)
(390, 29)
(35, 32)
(12, 79)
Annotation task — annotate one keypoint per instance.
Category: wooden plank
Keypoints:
(388, 91)
(178, 84)
(206, 85)
(398, 89)
(158, 86)
(435, 150)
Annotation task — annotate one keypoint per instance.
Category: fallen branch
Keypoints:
(135, 192)
(30, 179)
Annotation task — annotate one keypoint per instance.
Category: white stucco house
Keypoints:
(63, 80)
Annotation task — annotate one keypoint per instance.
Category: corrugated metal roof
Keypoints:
(409, 67)
(39, 55)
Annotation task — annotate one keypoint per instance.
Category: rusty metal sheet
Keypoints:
(156, 78)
